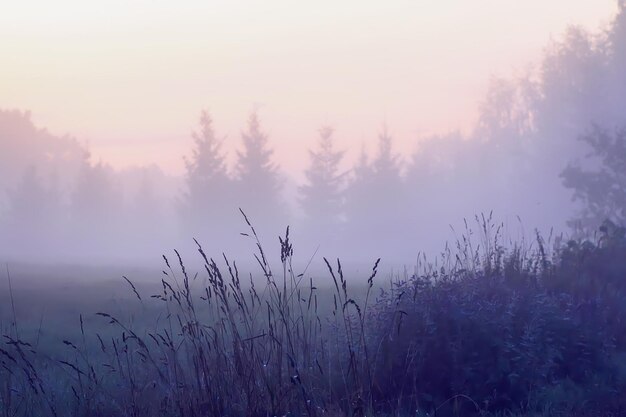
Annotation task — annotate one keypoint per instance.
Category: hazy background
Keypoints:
(442, 110)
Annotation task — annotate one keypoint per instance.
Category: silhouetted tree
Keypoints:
(386, 167)
(34, 215)
(259, 190)
(600, 188)
(359, 192)
(95, 194)
(208, 197)
(389, 199)
(441, 174)
(23, 145)
(146, 216)
(321, 197)
(582, 82)
(29, 200)
(145, 203)
(527, 128)
(376, 206)
(96, 208)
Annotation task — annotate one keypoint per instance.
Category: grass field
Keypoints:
(487, 330)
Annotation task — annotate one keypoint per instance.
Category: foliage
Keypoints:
(322, 196)
(258, 182)
(375, 198)
(24, 145)
(483, 331)
(602, 191)
(512, 332)
(207, 182)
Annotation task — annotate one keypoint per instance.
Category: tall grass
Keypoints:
(485, 329)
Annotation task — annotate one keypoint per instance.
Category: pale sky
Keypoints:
(130, 77)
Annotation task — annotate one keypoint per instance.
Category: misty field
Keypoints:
(485, 330)
(280, 209)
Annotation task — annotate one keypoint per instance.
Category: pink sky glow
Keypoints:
(130, 78)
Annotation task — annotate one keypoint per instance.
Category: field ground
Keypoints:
(502, 332)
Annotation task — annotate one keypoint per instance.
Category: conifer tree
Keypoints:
(259, 190)
(359, 191)
(206, 200)
(386, 167)
(376, 209)
(321, 197)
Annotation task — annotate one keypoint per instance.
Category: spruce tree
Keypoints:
(206, 200)
(259, 185)
(321, 196)
(376, 202)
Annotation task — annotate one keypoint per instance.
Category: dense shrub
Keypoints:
(511, 333)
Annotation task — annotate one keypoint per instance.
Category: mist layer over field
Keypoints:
(522, 160)
(270, 209)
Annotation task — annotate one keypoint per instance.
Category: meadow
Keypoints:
(530, 329)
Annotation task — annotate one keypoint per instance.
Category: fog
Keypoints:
(516, 164)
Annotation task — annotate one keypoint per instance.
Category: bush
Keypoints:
(510, 333)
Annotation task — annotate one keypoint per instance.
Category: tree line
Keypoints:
(548, 148)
